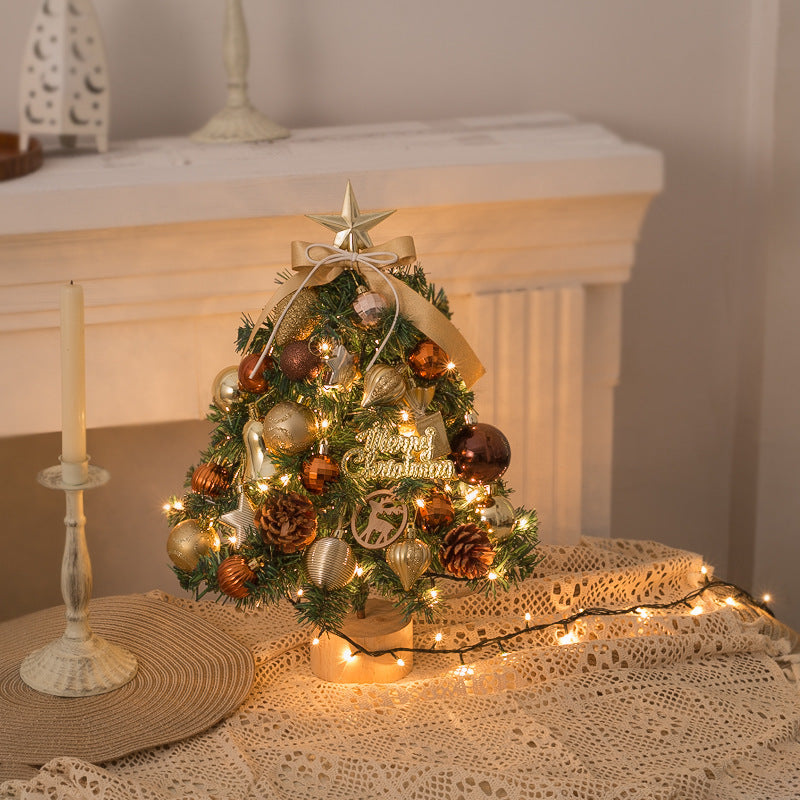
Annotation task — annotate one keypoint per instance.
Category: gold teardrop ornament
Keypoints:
(408, 558)
(383, 386)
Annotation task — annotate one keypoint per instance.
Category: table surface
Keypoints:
(701, 704)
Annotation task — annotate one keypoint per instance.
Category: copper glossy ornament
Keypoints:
(210, 479)
(288, 427)
(225, 388)
(436, 512)
(258, 383)
(383, 386)
(298, 362)
(428, 361)
(480, 452)
(233, 575)
(188, 541)
(318, 472)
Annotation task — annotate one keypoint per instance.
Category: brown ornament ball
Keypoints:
(298, 362)
(436, 512)
(481, 453)
(466, 551)
(210, 479)
(233, 575)
(258, 383)
(318, 472)
(428, 361)
(287, 521)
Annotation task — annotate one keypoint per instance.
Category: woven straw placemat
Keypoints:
(190, 676)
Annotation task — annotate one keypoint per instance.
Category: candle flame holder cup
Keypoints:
(80, 663)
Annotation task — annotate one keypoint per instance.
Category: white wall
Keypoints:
(685, 77)
(778, 519)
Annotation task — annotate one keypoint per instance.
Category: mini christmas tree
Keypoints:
(346, 457)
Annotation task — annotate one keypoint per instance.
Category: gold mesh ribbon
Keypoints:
(371, 264)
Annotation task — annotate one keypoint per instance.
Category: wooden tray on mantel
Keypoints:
(14, 164)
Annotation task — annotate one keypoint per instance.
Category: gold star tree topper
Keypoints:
(351, 225)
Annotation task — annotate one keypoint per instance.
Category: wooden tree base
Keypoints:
(382, 628)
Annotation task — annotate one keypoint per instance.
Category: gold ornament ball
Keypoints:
(225, 388)
(299, 323)
(498, 517)
(288, 427)
(187, 542)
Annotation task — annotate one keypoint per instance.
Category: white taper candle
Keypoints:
(73, 386)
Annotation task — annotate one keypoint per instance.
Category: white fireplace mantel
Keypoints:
(529, 222)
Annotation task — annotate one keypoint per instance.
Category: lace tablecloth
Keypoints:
(668, 705)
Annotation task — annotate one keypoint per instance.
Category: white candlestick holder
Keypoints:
(80, 663)
(238, 121)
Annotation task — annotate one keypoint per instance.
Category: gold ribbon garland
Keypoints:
(425, 316)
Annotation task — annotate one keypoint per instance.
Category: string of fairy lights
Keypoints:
(726, 594)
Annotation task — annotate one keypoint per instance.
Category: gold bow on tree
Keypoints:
(318, 264)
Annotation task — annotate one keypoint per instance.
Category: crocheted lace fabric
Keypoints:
(669, 705)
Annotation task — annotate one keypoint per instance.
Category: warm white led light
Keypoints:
(400, 662)
(285, 479)
(315, 641)
(359, 571)
(300, 592)
(767, 598)
(528, 616)
(451, 365)
(568, 638)
(696, 611)
(492, 576)
(438, 637)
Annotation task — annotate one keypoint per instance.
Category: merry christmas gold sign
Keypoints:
(377, 458)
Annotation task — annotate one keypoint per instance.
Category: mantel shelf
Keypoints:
(481, 160)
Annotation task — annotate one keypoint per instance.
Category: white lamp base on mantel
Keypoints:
(80, 663)
(238, 121)
(240, 124)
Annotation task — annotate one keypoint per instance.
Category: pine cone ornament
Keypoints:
(466, 551)
(287, 521)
